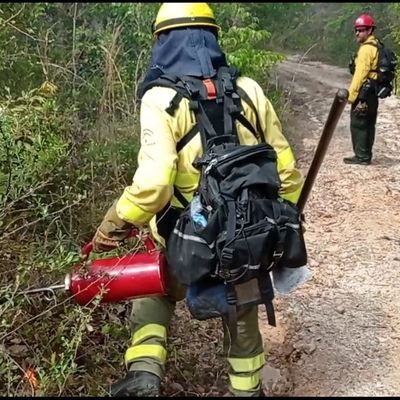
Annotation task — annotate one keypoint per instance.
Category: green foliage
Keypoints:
(31, 146)
(395, 34)
(68, 146)
(281, 19)
(243, 48)
(323, 30)
(66, 154)
(85, 48)
(20, 28)
(244, 40)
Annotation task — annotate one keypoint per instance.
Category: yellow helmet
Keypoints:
(175, 15)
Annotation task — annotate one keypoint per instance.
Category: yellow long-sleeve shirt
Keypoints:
(160, 167)
(365, 62)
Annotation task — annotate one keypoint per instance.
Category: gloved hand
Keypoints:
(361, 108)
(111, 232)
(102, 243)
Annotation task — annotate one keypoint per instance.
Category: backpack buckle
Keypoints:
(227, 83)
(190, 88)
(277, 255)
(193, 105)
(211, 89)
(226, 256)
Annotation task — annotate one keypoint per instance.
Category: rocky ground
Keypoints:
(339, 335)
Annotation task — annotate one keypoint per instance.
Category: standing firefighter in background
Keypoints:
(363, 92)
(186, 44)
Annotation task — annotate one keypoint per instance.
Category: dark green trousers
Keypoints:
(362, 128)
(151, 319)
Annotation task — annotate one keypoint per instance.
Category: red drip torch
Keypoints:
(118, 278)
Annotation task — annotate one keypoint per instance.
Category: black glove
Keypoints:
(361, 108)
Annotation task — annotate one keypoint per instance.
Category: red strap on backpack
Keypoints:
(211, 90)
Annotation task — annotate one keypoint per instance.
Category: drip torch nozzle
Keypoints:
(49, 289)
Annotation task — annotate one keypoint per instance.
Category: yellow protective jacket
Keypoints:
(365, 62)
(160, 167)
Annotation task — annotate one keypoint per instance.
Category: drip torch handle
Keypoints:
(87, 249)
(339, 102)
(148, 242)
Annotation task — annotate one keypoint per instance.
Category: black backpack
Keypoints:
(386, 69)
(236, 229)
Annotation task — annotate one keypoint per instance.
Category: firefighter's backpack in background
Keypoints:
(386, 70)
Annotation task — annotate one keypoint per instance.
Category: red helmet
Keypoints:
(364, 20)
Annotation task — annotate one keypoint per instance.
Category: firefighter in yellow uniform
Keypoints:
(363, 92)
(186, 43)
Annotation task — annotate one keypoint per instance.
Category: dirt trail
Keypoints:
(340, 333)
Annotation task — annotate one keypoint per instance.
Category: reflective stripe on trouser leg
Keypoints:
(245, 355)
(151, 317)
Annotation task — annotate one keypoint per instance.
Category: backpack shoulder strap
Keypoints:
(214, 103)
(378, 46)
(187, 87)
(230, 95)
(258, 133)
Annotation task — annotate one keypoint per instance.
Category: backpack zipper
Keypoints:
(228, 157)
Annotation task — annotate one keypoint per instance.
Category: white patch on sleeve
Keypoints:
(148, 137)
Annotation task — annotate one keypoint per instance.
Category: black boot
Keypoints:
(356, 160)
(137, 383)
(258, 393)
